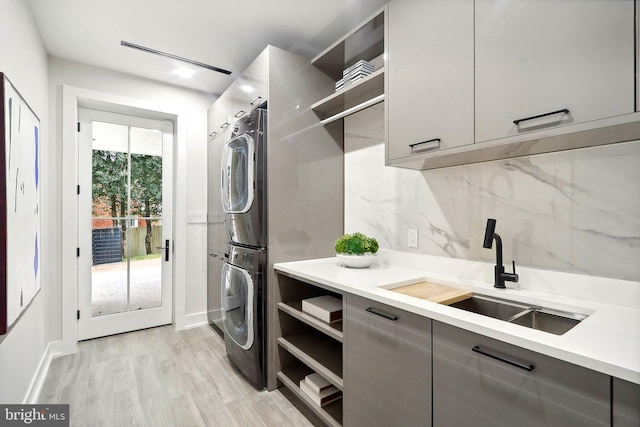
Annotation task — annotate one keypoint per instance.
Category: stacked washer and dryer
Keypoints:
(243, 274)
(274, 194)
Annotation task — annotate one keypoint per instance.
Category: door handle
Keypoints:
(428, 145)
(166, 249)
(255, 100)
(563, 111)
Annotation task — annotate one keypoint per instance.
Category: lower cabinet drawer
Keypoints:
(479, 381)
(387, 366)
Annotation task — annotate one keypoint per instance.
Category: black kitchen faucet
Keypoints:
(500, 275)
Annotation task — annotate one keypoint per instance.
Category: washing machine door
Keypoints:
(238, 163)
(237, 305)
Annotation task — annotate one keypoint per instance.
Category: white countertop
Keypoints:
(607, 341)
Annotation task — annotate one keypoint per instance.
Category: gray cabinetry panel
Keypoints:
(474, 389)
(626, 404)
(430, 76)
(388, 366)
(583, 61)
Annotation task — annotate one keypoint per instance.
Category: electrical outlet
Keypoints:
(413, 238)
(196, 217)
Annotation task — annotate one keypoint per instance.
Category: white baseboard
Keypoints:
(196, 319)
(54, 348)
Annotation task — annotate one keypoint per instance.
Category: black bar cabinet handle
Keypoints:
(424, 142)
(564, 110)
(382, 313)
(526, 366)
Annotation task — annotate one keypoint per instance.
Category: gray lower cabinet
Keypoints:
(478, 381)
(387, 365)
(626, 404)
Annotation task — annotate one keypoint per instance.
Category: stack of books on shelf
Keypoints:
(356, 72)
(319, 390)
(326, 308)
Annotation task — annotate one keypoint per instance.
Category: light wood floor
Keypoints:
(159, 377)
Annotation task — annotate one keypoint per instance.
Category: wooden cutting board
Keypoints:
(434, 292)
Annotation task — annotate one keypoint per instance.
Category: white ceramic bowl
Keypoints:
(356, 261)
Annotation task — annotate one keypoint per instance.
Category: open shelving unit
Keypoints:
(330, 413)
(365, 42)
(294, 309)
(307, 344)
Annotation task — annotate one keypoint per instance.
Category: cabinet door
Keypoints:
(223, 107)
(470, 388)
(388, 366)
(626, 404)
(211, 120)
(250, 88)
(215, 261)
(215, 213)
(535, 57)
(430, 75)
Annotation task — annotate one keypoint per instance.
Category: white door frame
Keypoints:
(72, 99)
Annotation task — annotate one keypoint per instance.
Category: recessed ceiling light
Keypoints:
(247, 88)
(185, 73)
(169, 55)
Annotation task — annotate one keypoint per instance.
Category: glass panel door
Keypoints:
(126, 223)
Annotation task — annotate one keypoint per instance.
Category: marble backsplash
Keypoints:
(574, 211)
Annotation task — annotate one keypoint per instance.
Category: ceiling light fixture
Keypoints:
(185, 73)
(179, 58)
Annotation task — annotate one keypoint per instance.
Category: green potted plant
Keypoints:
(356, 250)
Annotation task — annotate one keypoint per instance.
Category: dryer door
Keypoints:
(237, 305)
(238, 164)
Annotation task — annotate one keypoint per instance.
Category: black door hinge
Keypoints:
(78, 252)
(78, 189)
(78, 126)
(78, 314)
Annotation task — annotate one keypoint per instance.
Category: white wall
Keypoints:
(575, 211)
(24, 60)
(192, 275)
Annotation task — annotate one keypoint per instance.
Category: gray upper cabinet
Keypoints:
(626, 404)
(250, 89)
(478, 381)
(430, 76)
(573, 60)
(469, 81)
(387, 365)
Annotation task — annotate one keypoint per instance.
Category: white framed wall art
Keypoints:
(19, 205)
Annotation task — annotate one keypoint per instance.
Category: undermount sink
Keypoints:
(543, 319)
(492, 307)
(549, 320)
